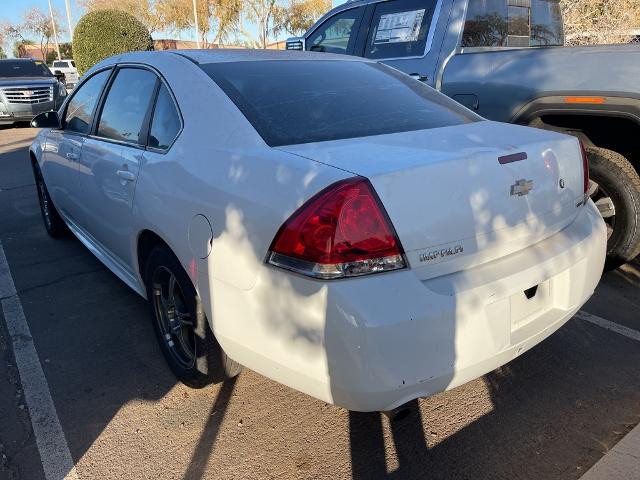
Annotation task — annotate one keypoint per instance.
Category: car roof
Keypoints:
(223, 55)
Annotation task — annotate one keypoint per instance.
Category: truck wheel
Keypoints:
(186, 341)
(615, 189)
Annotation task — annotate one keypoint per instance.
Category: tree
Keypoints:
(2, 54)
(220, 17)
(38, 23)
(65, 50)
(144, 10)
(273, 17)
(19, 50)
(103, 33)
(299, 15)
(600, 21)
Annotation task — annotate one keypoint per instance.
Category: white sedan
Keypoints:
(326, 221)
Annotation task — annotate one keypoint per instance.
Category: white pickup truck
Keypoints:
(68, 67)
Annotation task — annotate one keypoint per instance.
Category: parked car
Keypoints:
(27, 88)
(504, 60)
(326, 221)
(68, 68)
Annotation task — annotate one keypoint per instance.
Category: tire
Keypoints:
(615, 178)
(180, 324)
(53, 223)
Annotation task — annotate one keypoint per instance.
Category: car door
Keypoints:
(64, 145)
(401, 33)
(111, 160)
(337, 34)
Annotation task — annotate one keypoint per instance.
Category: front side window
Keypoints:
(165, 124)
(126, 106)
(513, 23)
(336, 35)
(302, 101)
(400, 29)
(79, 111)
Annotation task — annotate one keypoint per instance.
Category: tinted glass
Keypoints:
(80, 108)
(337, 34)
(166, 121)
(126, 105)
(73, 64)
(291, 102)
(60, 64)
(400, 29)
(546, 23)
(513, 23)
(22, 68)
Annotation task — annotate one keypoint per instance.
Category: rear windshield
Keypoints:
(304, 101)
(20, 68)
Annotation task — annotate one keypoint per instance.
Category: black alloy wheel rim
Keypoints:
(173, 318)
(44, 203)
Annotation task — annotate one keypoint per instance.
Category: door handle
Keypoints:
(126, 175)
(72, 156)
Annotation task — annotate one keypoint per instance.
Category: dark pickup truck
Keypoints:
(505, 60)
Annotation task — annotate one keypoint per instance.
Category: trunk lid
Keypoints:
(452, 202)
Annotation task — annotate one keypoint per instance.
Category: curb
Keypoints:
(622, 462)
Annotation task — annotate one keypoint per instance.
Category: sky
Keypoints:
(12, 11)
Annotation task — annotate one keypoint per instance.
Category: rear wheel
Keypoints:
(181, 327)
(615, 189)
(53, 223)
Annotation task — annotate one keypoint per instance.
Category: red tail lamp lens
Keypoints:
(342, 231)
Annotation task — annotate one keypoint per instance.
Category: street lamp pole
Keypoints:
(55, 34)
(68, 9)
(195, 16)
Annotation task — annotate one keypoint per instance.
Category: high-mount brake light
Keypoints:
(343, 231)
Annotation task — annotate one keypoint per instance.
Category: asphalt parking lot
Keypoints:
(550, 414)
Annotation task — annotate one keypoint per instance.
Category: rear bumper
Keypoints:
(374, 343)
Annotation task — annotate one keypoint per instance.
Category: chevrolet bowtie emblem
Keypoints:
(522, 187)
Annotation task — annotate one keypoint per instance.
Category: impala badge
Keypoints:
(522, 187)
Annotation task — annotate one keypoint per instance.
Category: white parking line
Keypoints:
(606, 324)
(52, 444)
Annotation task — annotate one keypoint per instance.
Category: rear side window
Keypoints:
(126, 105)
(400, 29)
(302, 101)
(59, 64)
(338, 34)
(79, 111)
(166, 121)
(513, 23)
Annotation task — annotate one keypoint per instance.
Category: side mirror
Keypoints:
(46, 120)
(295, 43)
(60, 76)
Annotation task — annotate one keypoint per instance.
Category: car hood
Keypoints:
(18, 81)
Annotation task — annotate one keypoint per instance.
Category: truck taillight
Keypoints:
(343, 231)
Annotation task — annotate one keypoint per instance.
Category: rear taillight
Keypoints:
(343, 231)
(585, 167)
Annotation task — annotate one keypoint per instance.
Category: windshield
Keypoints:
(292, 102)
(21, 68)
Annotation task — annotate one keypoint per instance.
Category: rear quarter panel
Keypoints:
(506, 80)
